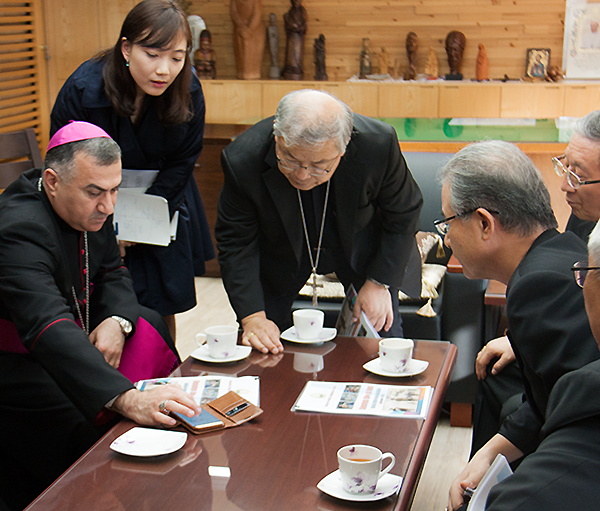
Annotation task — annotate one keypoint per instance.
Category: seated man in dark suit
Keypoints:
(73, 337)
(315, 190)
(564, 471)
(500, 226)
(580, 169)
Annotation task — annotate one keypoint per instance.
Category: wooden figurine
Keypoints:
(204, 58)
(431, 67)
(248, 38)
(455, 47)
(481, 67)
(365, 58)
(412, 46)
(295, 30)
(319, 46)
(273, 37)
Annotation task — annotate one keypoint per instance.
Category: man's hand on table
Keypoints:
(478, 466)
(376, 301)
(109, 339)
(499, 348)
(145, 407)
(261, 333)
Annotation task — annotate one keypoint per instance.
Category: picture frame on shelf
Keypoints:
(538, 61)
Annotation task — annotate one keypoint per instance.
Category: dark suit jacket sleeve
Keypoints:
(238, 243)
(113, 293)
(28, 266)
(397, 199)
(548, 344)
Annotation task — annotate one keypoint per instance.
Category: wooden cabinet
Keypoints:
(246, 102)
(408, 100)
(581, 99)
(532, 100)
(469, 100)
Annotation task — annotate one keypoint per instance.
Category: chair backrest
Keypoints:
(19, 151)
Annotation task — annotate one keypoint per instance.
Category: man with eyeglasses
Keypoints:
(564, 470)
(500, 225)
(580, 169)
(316, 175)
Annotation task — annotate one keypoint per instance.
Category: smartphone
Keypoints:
(205, 421)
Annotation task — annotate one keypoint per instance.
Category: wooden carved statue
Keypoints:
(385, 62)
(365, 58)
(455, 47)
(481, 67)
(248, 38)
(319, 46)
(273, 37)
(204, 58)
(412, 46)
(295, 30)
(431, 67)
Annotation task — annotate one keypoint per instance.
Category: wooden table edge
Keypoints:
(421, 448)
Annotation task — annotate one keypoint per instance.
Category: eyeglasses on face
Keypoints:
(580, 271)
(443, 225)
(292, 166)
(573, 179)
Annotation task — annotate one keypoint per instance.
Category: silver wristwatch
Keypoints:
(126, 326)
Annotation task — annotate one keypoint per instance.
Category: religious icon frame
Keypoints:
(531, 62)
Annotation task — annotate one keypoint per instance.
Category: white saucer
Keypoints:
(413, 368)
(202, 353)
(386, 486)
(149, 442)
(327, 334)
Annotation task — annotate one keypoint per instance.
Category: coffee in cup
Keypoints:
(395, 354)
(360, 467)
(308, 323)
(221, 340)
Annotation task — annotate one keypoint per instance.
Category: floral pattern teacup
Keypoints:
(395, 354)
(360, 467)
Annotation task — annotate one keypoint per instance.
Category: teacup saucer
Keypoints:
(327, 334)
(202, 353)
(413, 368)
(386, 486)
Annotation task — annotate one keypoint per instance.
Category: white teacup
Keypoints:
(221, 340)
(360, 467)
(308, 323)
(395, 354)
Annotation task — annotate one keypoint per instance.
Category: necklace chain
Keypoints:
(314, 262)
(85, 325)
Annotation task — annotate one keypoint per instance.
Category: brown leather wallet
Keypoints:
(231, 409)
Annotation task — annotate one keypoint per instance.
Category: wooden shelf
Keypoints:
(248, 101)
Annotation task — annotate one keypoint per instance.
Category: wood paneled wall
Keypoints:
(505, 27)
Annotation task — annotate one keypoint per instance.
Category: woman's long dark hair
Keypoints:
(151, 24)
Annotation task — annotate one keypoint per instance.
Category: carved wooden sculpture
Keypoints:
(295, 30)
(248, 38)
(412, 46)
(481, 68)
(455, 47)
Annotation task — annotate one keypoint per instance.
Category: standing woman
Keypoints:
(144, 94)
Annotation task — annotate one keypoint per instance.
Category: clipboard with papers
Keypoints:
(140, 217)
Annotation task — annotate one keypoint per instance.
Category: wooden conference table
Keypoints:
(277, 459)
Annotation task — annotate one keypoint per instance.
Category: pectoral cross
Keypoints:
(314, 285)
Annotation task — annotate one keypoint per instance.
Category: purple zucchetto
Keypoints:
(76, 131)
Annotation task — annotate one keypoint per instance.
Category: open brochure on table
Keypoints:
(207, 388)
(498, 471)
(364, 399)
